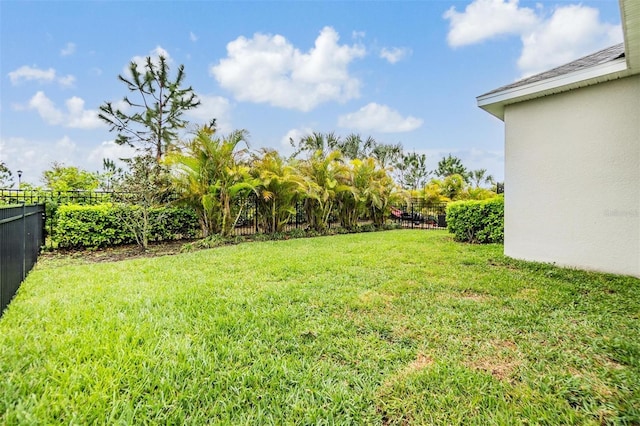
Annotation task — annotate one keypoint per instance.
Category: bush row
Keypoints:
(110, 224)
(477, 221)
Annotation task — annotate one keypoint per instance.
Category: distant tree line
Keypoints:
(332, 176)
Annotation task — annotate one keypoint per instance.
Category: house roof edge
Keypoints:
(494, 102)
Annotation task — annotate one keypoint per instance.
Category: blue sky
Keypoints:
(400, 71)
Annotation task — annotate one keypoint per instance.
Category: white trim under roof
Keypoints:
(494, 103)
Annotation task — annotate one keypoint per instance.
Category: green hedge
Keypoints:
(477, 221)
(102, 225)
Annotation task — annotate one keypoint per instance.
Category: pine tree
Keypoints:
(157, 113)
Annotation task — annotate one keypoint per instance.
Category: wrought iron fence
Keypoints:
(420, 213)
(53, 199)
(415, 213)
(41, 196)
(21, 237)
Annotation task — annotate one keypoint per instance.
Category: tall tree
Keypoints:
(451, 165)
(6, 177)
(412, 170)
(157, 113)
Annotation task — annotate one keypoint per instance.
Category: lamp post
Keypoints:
(19, 178)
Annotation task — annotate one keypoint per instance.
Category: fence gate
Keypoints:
(21, 237)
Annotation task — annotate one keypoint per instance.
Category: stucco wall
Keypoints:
(572, 178)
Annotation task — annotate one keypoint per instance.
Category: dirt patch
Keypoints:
(116, 254)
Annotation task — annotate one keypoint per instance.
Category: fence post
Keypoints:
(255, 211)
(412, 217)
(24, 240)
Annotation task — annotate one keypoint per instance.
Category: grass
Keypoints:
(398, 327)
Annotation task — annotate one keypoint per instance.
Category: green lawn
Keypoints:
(397, 327)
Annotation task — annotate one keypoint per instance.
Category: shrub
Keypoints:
(477, 221)
(101, 225)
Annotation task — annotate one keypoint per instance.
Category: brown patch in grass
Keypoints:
(503, 360)
(500, 369)
(421, 362)
(473, 296)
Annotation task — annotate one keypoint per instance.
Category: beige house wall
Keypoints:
(572, 178)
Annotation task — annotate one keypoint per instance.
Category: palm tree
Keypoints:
(387, 154)
(353, 146)
(210, 174)
(324, 178)
(480, 176)
(324, 142)
(377, 190)
(279, 186)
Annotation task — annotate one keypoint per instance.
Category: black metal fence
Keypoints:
(21, 237)
(415, 213)
(40, 196)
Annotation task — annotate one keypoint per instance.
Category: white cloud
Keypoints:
(112, 151)
(485, 19)
(269, 69)
(548, 39)
(213, 107)
(69, 49)
(33, 157)
(571, 32)
(46, 109)
(380, 118)
(27, 73)
(80, 118)
(75, 117)
(193, 37)
(67, 81)
(66, 144)
(395, 54)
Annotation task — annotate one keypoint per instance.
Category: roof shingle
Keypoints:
(600, 57)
